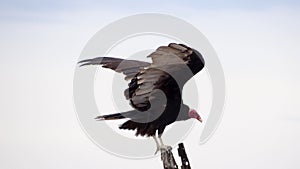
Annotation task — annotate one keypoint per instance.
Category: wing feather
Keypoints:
(128, 67)
(166, 60)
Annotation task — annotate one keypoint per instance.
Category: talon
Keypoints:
(165, 148)
(169, 148)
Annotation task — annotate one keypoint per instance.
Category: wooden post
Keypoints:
(169, 161)
(184, 159)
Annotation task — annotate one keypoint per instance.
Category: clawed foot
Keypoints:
(163, 148)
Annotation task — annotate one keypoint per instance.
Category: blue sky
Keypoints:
(47, 10)
(48, 5)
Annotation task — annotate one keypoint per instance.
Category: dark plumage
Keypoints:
(154, 90)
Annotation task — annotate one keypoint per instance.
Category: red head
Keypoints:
(193, 114)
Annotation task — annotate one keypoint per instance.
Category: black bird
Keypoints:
(155, 89)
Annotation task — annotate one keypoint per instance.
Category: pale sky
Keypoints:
(256, 42)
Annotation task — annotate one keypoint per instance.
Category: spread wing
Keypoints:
(172, 63)
(175, 63)
(128, 67)
(175, 55)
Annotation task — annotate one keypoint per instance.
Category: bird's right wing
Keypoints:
(141, 90)
(128, 67)
(145, 89)
(174, 56)
(173, 62)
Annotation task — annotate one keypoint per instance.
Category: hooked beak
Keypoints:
(199, 119)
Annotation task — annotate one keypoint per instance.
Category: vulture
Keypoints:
(155, 89)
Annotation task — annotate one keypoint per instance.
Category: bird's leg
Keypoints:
(157, 144)
(163, 147)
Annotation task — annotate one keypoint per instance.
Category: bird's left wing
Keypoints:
(128, 67)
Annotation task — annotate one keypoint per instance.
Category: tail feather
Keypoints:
(116, 116)
(130, 125)
(141, 128)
